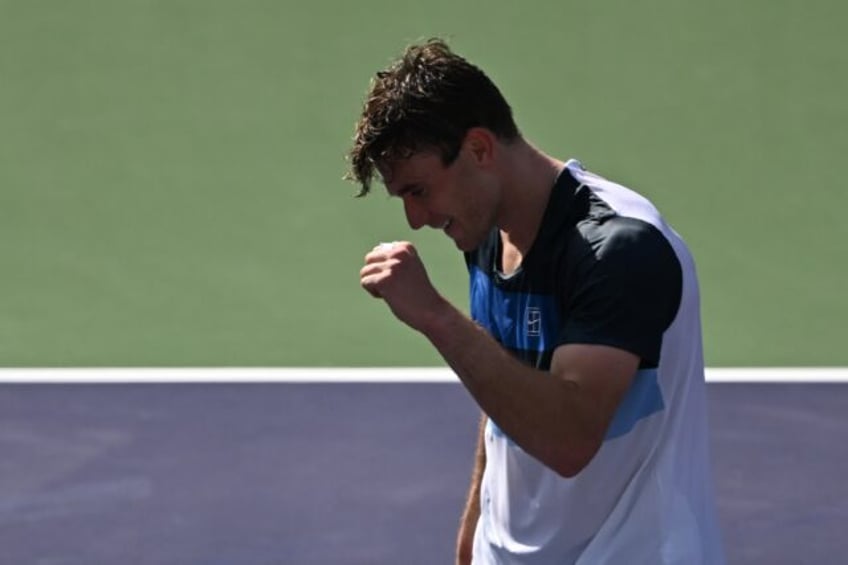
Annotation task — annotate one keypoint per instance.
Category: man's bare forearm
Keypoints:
(471, 513)
(559, 416)
(550, 416)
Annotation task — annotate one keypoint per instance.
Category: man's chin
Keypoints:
(464, 244)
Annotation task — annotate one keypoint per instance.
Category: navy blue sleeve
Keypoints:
(622, 287)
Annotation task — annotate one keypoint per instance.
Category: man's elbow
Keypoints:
(569, 463)
(568, 469)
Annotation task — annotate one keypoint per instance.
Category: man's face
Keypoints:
(460, 199)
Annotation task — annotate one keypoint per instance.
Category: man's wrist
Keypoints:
(439, 321)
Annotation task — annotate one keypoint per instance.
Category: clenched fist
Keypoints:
(395, 273)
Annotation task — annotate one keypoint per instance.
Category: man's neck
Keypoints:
(529, 177)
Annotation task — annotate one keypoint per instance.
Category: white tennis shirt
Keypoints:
(647, 496)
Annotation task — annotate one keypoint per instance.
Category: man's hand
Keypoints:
(395, 273)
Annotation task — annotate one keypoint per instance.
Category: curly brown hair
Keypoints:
(427, 99)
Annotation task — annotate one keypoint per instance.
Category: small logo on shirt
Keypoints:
(534, 321)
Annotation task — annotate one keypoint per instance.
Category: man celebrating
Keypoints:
(584, 348)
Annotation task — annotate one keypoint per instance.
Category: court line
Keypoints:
(82, 375)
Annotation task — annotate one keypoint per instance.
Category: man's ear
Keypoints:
(480, 144)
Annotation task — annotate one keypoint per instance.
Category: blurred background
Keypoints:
(171, 187)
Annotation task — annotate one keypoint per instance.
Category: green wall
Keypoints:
(170, 171)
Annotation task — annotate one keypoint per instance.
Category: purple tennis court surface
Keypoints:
(245, 474)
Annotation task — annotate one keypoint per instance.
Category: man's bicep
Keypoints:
(601, 374)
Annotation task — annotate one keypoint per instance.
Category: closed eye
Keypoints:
(413, 190)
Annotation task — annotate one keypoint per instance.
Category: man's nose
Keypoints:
(416, 214)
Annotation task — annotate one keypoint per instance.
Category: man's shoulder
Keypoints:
(605, 197)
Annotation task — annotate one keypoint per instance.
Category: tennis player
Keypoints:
(583, 348)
